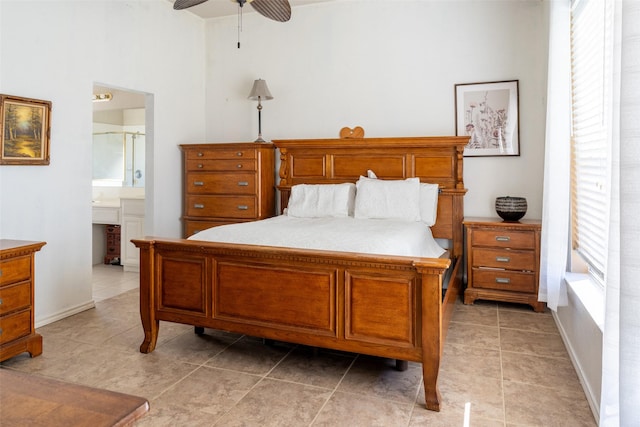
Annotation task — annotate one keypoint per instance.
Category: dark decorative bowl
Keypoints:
(511, 208)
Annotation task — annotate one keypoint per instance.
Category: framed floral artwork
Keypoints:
(24, 131)
(488, 114)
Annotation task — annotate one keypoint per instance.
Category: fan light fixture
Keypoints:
(260, 92)
(102, 97)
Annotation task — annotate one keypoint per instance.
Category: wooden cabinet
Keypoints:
(227, 183)
(17, 329)
(503, 261)
(112, 237)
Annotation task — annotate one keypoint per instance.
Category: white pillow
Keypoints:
(388, 199)
(428, 203)
(322, 200)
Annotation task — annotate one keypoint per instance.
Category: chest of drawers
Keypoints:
(503, 261)
(227, 183)
(17, 330)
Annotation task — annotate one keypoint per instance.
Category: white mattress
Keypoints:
(371, 236)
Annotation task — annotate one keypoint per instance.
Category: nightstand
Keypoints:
(503, 261)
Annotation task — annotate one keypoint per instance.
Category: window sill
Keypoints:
(590, 294)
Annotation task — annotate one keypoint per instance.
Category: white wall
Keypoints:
(57, 50)
(390, 67)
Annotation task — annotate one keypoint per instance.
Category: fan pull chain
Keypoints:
(239, 22)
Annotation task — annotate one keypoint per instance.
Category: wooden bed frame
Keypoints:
(387, 306)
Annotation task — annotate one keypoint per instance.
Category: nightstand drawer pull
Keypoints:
(503, 259)
(503, 238)
(239, 154)
(200, 165)
(200, 154)
(198, 183)
(198, 206)
(239, 166)
(0, 301)
(504, 280)
(243, 183)
(243, 207)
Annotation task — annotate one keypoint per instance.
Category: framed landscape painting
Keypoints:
(24, 130)
(488, 114)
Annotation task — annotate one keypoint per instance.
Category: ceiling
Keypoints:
(217, 8)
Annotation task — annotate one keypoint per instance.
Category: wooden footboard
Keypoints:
(378, 305)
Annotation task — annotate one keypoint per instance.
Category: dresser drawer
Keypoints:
(221, 183)
(221, 206)
(504, 239)
(192, 227)
(15, 326)
(504, 280)
(15, 270)
(213, 165)
(15, 297)
(502, 258)
(213, 152)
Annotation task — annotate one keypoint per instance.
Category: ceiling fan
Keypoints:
(278, 10)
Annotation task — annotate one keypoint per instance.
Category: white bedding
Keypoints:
(347, 234)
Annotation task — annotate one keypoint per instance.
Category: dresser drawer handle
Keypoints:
(0, 331)
(239, 154)
(243, 207)
(504, 280)
(503, 259)
(198, 205)
(198, 183)
(199, 165)
(243, 183)
(200, 154)
(239, 166)
(503, 238)
(0, 301)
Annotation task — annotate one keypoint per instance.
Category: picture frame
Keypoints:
(24, 130)
(489, 114)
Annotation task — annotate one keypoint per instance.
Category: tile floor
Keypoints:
(505, 363)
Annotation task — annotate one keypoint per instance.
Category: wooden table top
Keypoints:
(38, 401)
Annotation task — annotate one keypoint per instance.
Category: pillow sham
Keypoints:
(388, 199)
(322, 200)
(428, 203)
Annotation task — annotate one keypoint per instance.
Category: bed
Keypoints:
(390, 306)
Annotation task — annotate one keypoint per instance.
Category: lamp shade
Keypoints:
(260, 91)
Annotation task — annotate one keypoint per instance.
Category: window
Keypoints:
(592, 102)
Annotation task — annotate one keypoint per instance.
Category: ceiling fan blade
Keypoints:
(278, 10)
(184, 4)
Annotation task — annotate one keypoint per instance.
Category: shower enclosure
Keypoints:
(118, 159)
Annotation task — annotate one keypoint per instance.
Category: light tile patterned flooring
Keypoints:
(506, 363)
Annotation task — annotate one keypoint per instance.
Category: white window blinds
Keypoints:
(591, 72)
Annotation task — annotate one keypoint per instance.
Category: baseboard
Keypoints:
(592, 399)
(64, 314)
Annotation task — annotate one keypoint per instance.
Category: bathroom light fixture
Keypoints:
(260, 92)
(102, 97)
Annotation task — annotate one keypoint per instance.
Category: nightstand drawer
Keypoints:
(15, 270)
(221, 183)
(504, 280)
(221, 206)
(504, 239)
(15, 326)
(221, 165)
(15, 297)
(501, 258)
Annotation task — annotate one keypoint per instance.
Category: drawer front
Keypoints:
(15, 297)
(221, 183)
(501, 258)
(240, 164)
(222, 206)
(15, 326)
(193, 227)
(504, 280)
(208, 153)
(504, 239)
(15, 270)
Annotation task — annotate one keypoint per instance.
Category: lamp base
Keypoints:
(259, 139)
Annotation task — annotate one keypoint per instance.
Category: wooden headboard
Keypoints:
(436, 160)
